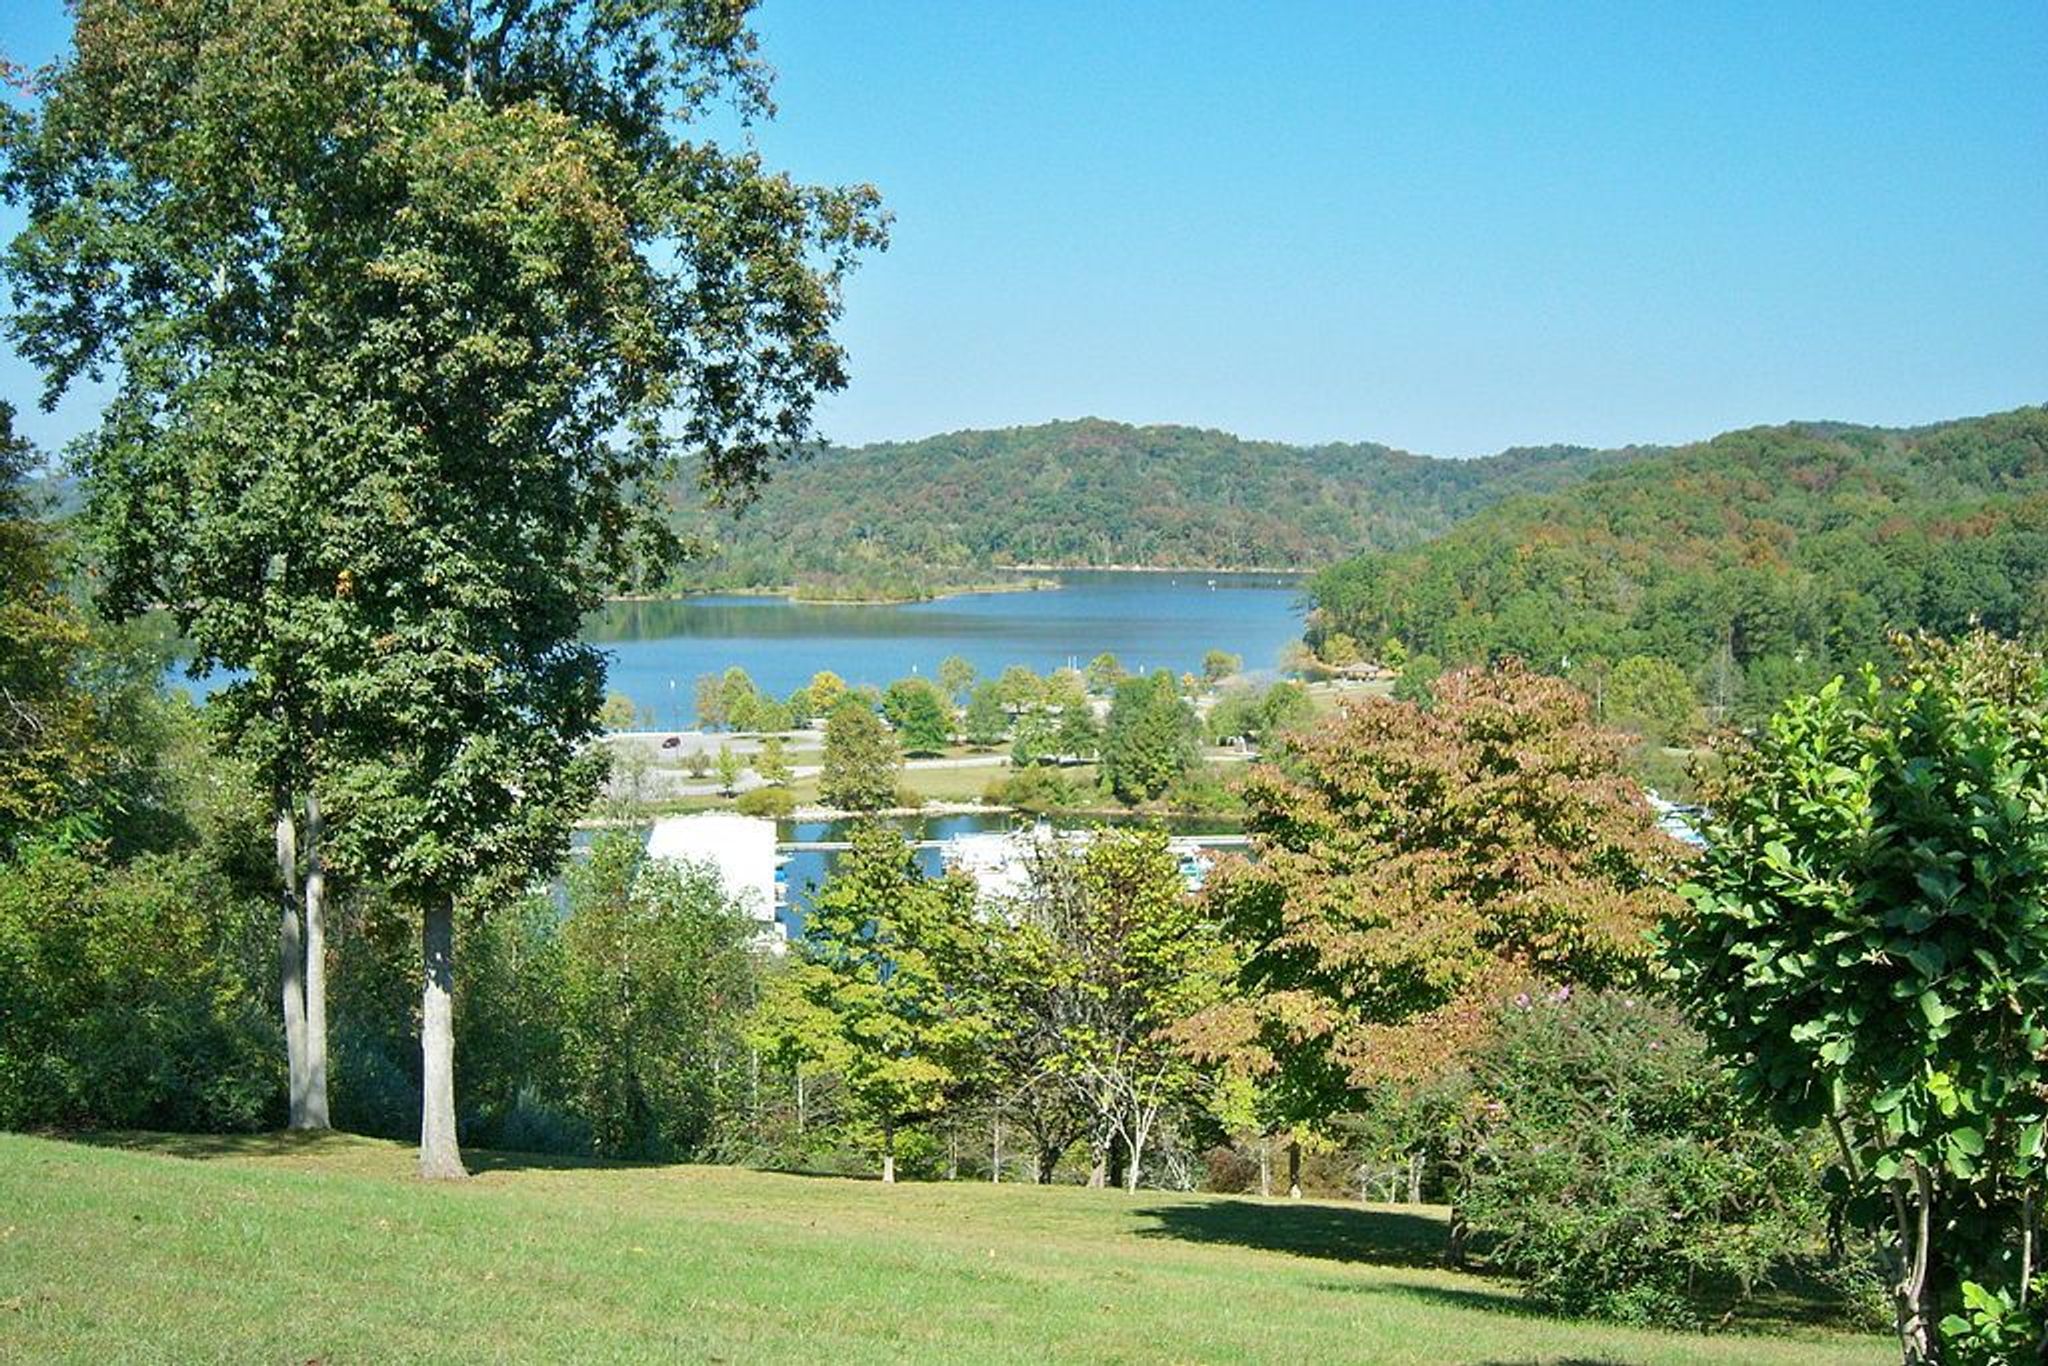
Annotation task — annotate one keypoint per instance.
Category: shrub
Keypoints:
(1610, 1164)
(124, 1001)
(1036, 789)
(1226, 1171)
(775, 803)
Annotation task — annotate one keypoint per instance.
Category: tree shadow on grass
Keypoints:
(209, 1147)
(1382, 1237)
(290, 1143)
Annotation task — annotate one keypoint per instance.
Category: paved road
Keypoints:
(659, 774)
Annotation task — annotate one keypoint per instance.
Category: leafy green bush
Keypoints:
(122, 999)
(1037, 789)
(773, 803)
(1610, 1164)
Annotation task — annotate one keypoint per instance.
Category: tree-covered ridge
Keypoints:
(1099, 494)
(1758, 561)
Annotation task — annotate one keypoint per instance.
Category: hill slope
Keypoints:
(1094, 493)
(292, 1248)
(1760, 560)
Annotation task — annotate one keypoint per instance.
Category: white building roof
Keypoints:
(740, 848)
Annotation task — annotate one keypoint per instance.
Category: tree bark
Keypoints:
(1415, 1177)
(1046, 1165)
(291, 962)
(440, 1153)
(1294, 1170)
(1916, 1333)
(995, 1150)
(1265, 1166)
(314, 1113)
(888, 1154)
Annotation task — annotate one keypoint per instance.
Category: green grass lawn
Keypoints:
(278, 1249)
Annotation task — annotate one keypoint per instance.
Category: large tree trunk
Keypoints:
(1046, 1165)
(440, 1153)
(1265, 1166)
(291, 962)
(1294, 1171)
(314, 1114)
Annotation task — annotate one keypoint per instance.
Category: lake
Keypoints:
(1147, 620)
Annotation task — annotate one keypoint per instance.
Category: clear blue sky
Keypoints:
(1449, 227)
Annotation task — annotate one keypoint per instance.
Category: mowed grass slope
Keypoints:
(286, 1249)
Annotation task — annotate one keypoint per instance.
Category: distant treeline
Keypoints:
(1759, 562)
(902, 520)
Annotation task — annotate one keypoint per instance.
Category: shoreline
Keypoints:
(1157, 569)
(795, 594)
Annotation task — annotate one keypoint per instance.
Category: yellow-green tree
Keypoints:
(876, 991)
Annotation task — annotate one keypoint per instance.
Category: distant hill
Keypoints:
(1758, 561)
(1095, 493)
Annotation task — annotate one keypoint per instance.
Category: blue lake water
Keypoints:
(1149, 621)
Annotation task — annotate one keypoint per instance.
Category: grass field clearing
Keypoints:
(276, 1248)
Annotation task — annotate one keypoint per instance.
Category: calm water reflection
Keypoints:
(1147, 620)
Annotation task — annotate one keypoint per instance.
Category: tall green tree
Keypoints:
(922, 717)
(986, 721)
(1867, 946)
(415, 309)
(874, 975)
(1151, 740)
(658, 980)
(1018, 686)
(709, 695)
(1104, 672)
(1652, 698)
(772, 761)
(741, 699)
(956, 676)
(861, 759)
(1218, 665)
(1110, 954)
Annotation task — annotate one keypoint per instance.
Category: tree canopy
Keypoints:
(1759, 563)
(1868, 948)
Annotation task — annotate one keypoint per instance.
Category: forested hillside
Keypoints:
(1094, 493)
(1757, 561)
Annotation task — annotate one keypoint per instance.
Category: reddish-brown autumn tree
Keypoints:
(1414, 866)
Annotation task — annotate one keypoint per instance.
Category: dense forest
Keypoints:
(1095, 493)
(1759, 561)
